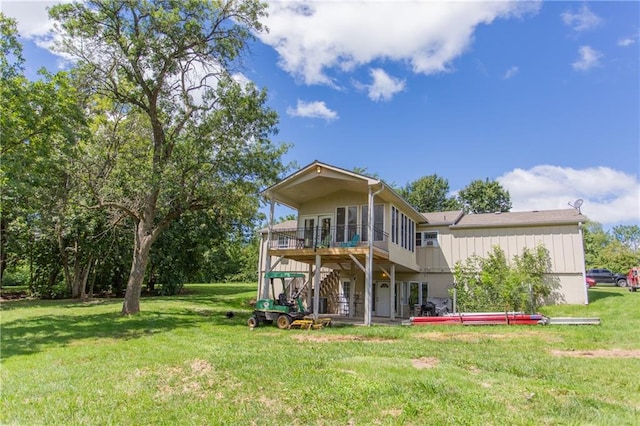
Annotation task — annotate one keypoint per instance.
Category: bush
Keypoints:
(492, 284)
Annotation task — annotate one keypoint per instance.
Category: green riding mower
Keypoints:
(284, 309)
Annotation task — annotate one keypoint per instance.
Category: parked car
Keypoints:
(606, 276)
(591, 282)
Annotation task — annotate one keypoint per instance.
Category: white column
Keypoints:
(310, 287)
(368, 275)
(392, 297)
(267, 265)
(352, 291)
(316, 286)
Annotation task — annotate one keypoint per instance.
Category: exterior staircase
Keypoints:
(330, 289)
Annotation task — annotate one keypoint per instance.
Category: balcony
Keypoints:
(336, 242)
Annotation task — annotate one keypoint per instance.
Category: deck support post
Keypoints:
(316, 288)
(392, 296)
(267, 265)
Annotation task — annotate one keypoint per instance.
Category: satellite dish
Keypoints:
(576, 204)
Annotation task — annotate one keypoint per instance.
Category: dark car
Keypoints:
(606, 276)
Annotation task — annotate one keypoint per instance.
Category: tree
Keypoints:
(41, 124)
(179, 133)
(612, 250)
(628, 235)
(429, 194)
(484, 197)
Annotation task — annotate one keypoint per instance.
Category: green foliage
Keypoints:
(492, 284)
(484, 197)
(628, 235)
(429, 194)
(174, 131)
(616, 250)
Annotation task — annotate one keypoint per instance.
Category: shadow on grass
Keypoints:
(35, 334)
(596, 294)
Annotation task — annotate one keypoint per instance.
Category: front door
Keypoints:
(383, 294)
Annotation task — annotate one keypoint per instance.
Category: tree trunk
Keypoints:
(141, 249)
(3, 246)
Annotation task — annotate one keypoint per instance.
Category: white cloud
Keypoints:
(384, 86)
(315, 109)
(588, 59)
(313, 38)
(511, 72)
(583, 20)
(628, 41)
(610, 197)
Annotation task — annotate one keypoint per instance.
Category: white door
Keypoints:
(382, 299)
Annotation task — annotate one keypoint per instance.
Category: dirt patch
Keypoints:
(425, 362)
(194, 379)
(599, 353)
(392, 413)
(328, 338)
(476, 337)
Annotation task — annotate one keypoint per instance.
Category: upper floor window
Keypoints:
(402, 229)
(427, 239)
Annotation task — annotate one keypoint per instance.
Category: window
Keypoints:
(427, 239)
(347, 223)
(378, 222)
(402, 230)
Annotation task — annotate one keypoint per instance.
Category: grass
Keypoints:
(181, 361)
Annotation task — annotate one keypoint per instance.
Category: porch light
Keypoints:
(318, 169)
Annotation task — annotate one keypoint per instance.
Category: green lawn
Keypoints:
(183, 362)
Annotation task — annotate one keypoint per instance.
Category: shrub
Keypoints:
(493, 284)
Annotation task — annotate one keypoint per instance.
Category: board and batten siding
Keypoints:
(564, 243)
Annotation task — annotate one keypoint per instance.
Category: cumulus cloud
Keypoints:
(314, 38)
(611, 197)
(628, 41)
(588, 58)
(511, 72)
(34, 23)
(383, 86)
(582, 20)
(315, 109)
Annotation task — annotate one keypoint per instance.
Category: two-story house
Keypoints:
(366, 252)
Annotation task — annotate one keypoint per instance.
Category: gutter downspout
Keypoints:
(368, 289)
(584, 276)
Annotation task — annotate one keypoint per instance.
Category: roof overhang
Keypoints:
(319, 180)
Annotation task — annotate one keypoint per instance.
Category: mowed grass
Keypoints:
(181, 361)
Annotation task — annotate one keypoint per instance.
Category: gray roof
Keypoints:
(443, 218)
(532, 218)
(282, 226)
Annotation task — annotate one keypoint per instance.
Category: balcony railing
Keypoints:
(319, 237)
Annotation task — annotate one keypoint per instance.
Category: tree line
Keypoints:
(147, 140)
(141, 165)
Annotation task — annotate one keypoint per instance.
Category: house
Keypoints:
(366, 252)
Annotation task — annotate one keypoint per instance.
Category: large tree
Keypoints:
(429, 194)
(485, 196)
(180, 133)
(41, 124)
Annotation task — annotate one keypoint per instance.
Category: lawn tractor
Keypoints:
(283, 309)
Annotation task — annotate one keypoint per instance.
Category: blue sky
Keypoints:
(542, 96)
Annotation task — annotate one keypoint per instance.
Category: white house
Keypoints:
(366, 252)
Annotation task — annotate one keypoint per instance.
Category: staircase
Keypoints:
(330, 288)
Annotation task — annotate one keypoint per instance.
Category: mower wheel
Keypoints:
(284, 321)
(253, 321)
